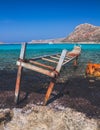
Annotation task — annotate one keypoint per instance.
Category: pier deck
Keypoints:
(33, 64)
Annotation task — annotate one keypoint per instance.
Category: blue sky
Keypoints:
(24, 20)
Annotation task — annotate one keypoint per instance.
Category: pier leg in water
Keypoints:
(19, 73)
(50, 88)
(18, 82)
(57, 70)
(75, 62)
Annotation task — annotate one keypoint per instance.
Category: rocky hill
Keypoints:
(84, 33)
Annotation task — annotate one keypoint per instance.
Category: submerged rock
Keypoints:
(5, 115)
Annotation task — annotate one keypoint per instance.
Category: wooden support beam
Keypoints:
(49, 60)
(44, 69)
(37, 69)
(75, 61)
(19, 73)
(18, 82)
(67, 61)
(54, 57)
(44, 56)
(22, 52)
(52, 83)
(40, 64)
(60, 63)
(67, 58)
(49, 90)
(58, 55)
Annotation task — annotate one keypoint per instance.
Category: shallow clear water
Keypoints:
(9, 53)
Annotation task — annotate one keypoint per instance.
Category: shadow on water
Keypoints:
(79, 93)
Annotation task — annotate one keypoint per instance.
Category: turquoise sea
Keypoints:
(9, 53)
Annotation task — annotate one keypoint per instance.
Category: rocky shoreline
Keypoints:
(34, 117)
(74, 104)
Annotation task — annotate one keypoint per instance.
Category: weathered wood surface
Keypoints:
(35, 68)
(54, 57)
(49, 60)
(19, 73)
(48, 70)
(18, 83)
(23, 49)
(49, 91)
(60, 63)
(68, 60)
(42, 65)
(52, 83)
(44, 56)
(75, 52)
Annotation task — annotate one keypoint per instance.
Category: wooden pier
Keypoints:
(51, 71)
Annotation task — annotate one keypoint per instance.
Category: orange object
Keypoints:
(93, 69)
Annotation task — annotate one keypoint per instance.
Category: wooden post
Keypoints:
(18, 81)
(52, 83)
(40, 64)
(50, 88)
(37, 69)
(19, 73)
(60, 63)
(75, 61)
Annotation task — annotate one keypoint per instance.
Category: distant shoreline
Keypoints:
(2, 43)
(67, 43)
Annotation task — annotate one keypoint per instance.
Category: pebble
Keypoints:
(91, 81)
(48, 119)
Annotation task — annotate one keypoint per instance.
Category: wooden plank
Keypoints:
(68, 58)
(60, 63)
(75, 61)
(67, 61)
(19, 73)
(52, 83)
(49, 60)
(48, 93)
(75, 52)
(58, 55)
(54, 57)
(40, 64)
(37, 69)
(53, 73)
(18, 82)
(22, 52)
(44, 56)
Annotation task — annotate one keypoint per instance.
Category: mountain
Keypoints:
(84, 33)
